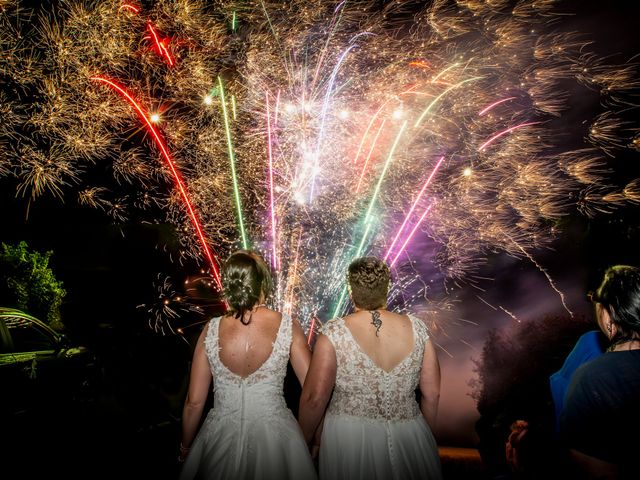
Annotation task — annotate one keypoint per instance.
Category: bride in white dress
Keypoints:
(368, 366)
(249, 433)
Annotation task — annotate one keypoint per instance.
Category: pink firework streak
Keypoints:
(313, 324)
(176, 175)
(413, 207)
(273, 210)
(413, 231)
(494, 104)
(504, 132)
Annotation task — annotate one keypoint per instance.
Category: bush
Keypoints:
(27, 283)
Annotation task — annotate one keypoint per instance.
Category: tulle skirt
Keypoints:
(270, 447)
(361, 448)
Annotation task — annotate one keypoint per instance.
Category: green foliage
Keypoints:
(27, 283)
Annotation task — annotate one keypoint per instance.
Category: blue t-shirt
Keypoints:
(587, 348)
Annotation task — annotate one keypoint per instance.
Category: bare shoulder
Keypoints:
(273, 316)
(400, 317)
(331, 326)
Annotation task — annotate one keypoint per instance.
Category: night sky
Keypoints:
(109, 269)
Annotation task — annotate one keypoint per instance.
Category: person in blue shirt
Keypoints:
(589, 346)
(600, 422)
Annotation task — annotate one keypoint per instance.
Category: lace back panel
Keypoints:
(363, 389)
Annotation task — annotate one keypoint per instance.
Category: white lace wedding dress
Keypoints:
(373, 428)
(249, 433)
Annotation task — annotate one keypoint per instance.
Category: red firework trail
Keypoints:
(176, 174)
(128, 6)
(162, 49)
(161, 43)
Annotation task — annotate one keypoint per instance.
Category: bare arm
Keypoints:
(317, 387)
(430, 384)
(199, 384)
(300, 354)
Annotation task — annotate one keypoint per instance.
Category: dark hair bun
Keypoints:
(245, 278)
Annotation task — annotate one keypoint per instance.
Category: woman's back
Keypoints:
(249, 433)
(386, 346)
(367, 368)
(243, 349)
(249, 362)
(377, 376)
(374, 428)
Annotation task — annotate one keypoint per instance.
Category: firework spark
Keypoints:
(367, 95)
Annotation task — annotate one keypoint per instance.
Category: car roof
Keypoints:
(14, 312)
(5, 311)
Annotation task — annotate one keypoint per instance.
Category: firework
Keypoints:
(168, 306)
(314, 131)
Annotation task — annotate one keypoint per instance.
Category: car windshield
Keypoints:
(28, 336)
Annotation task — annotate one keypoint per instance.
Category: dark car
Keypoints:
(39, 366)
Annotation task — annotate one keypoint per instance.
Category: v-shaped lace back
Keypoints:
(373, 364)
(363, 389)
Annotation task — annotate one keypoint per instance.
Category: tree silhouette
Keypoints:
(513, 384)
